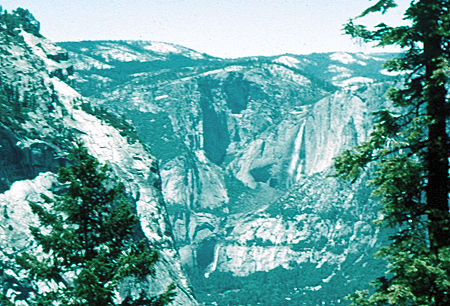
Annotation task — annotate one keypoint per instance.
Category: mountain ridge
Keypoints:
(41, 115)
(246, 147)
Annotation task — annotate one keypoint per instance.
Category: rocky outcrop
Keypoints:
(319, 221)
(246, 146)
(215, 131)
(37, 145)
(22, 161)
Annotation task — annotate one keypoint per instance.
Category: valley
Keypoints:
(246, 148)
(141, 172)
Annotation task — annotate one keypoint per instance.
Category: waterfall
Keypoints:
(212, 267)
(295, 160)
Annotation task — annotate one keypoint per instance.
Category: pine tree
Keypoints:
(87, 235)
(408, 150)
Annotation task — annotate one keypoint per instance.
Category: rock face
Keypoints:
(245, 147)
(41, 115)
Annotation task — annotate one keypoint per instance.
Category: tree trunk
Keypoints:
(437, 155)
(436, 159)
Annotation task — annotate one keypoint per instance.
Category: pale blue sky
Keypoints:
(225, 28)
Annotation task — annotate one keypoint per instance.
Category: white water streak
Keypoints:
(296, 154)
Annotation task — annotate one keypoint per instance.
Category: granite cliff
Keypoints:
(41, 115)
(246, 148)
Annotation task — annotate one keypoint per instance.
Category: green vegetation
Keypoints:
(409, 152)
(86, 232)
(301, 284)
(14, 107)
(156, 130)
(11, 106)
(155, 71)
(237, 193)
(11, 23)
(125, 129)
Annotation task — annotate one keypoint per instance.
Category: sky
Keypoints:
(223, 28)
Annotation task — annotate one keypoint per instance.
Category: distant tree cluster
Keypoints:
(299, 285)
(20, 18)
(13, 104)
(120, 123)
(19, 98)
